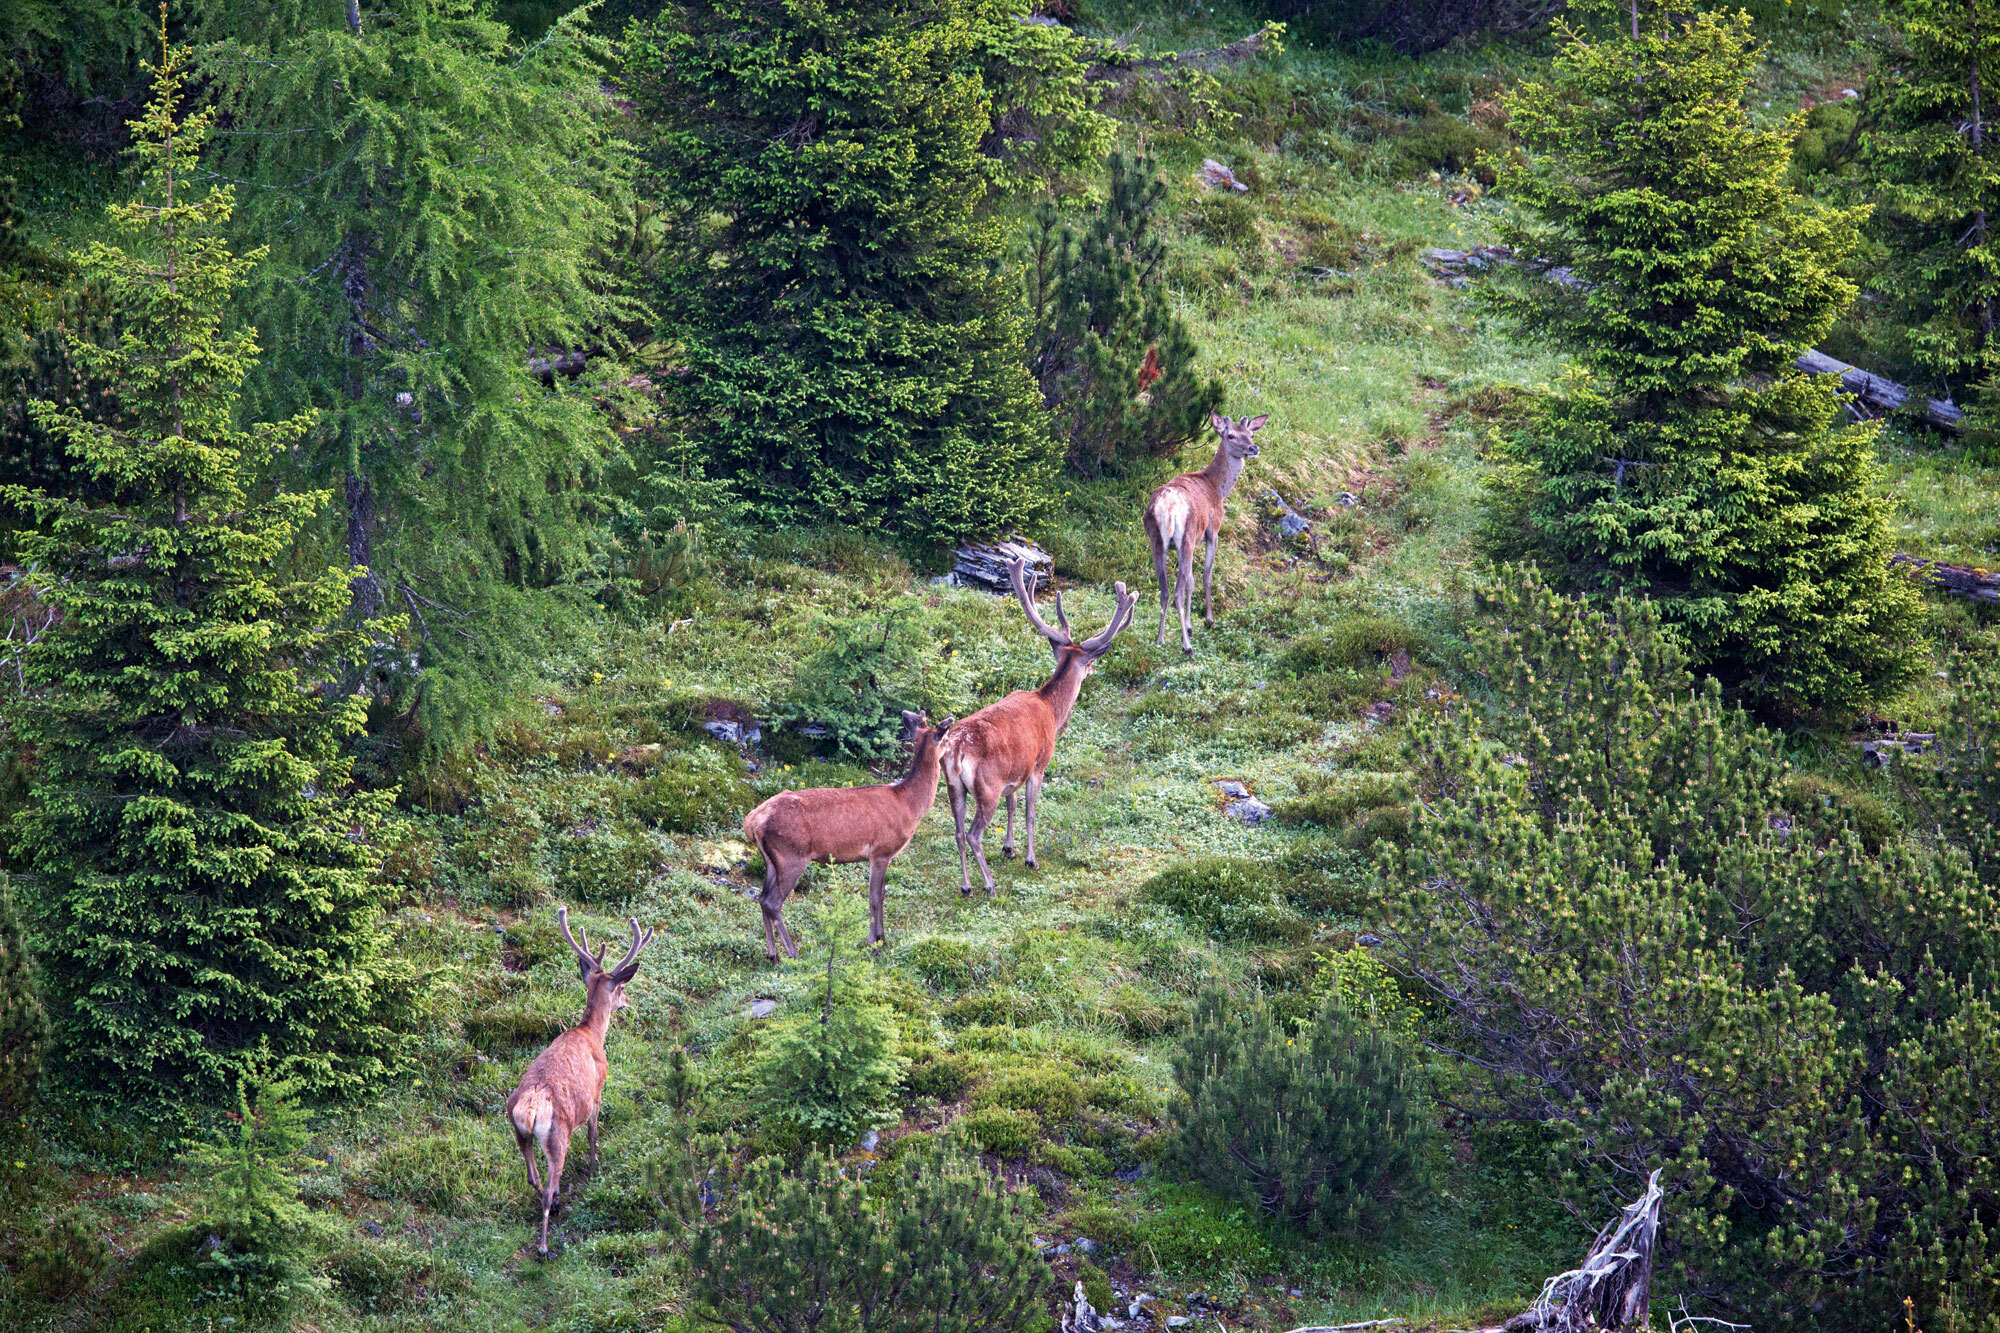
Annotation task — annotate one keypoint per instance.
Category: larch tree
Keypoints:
(439, 203)
(204, 876)
(851, 346)
(1685, 459)
(1936, 155)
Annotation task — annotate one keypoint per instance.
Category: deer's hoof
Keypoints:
(1007, 852)
(1032, 864)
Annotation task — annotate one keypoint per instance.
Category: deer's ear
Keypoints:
(1218, 421)
(945, 726)
(1256, 423)
(912, 721)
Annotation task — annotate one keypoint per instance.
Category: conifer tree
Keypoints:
(1114, 361)
(206, 876)
(1936, 154)
(851, 346)
(1662, 467)
(439, 204)
(24, 1025)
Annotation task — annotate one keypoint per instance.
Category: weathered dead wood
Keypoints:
(1873, 395)
(985, 564)
(1981, 585)
(1347, 1328)
(1613, 1287)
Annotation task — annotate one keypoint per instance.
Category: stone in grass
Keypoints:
(760, 1009)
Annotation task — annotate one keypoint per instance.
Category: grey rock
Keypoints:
(372, 1228)
(869, 1140)
(1132, 1310)
(761, 1009)
(984, 564)
(1368, 940)
(1347, 500)
(812, 729)
(1085, 1245)
(1178, 1321)
(1064, 1248)
(1128, 1174)
(1216, 176)
(1249, 810)
(1291, 525)
(735, 733)
(1294, 1293)
(1231, 788)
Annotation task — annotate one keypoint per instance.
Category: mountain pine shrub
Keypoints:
(1115, 362)
(1325, 1129)
(1627, 952)
(1935, 158)
(1666, 464)
(850, 344)
(930, 1243)
(205, 876)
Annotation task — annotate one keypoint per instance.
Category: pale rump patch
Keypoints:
(1170, 515)
(534, 1114)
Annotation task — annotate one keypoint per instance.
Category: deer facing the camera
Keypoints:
(564, 1086)
(1006, 746)
(1191, 506)
(842, 825)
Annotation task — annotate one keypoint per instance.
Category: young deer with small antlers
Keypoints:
(564, 1087)
(842, 825)
(1192, 504)
(1006, 746)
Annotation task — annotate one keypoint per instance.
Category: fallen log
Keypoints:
(984, 564)
(1874, 395)
(1980, 585)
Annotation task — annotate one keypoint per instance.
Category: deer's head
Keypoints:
(1085, 654)
(1236, 435)
(604, 985)
(916, 732)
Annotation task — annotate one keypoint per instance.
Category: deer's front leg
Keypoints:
(878, 888)
(1034, 794)
(1007, 843)
(590, 1133)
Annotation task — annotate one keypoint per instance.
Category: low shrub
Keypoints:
(1002, 1131)
(1193, 1235)
(1323, 1129)
(1821, 807)
(939, 1075)
(1096, 1285)
(1321, 875)
(437, 1172)
(62, 1258)
(831, 1073)
(692, 791)
(1143, 1016)
(605, 865)
(1053, 1094)
(506, 1026)
(1227, 897)
(1351, 643)
(1119, 1093)
(1104, 1224)
(1226, 219)
(1325, 801)
(990, 1009)
(930, 1241)
(1074, 1160)
(942, 964)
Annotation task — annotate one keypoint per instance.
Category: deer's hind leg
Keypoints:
(779, 880)
(878, 890)
(957, 792)
(1184, 597)
(1159, 576)
(1208, 581)
(1007, 843)
(982, 816)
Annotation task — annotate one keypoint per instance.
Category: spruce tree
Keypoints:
(1936, 155)
(439, 203)
(1114, 361)
(1668, 465)
(24, 1025)
(851, 347)
(205, 874)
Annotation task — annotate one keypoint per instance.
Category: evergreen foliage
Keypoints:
(851, 349)
(1935, 153)
(1963, 773)
(1115, 362)
(930, 1244)
(260, 1229)
(1662, 468)
(1322, 1129)
(869, 670)
(438, 202)
(24, 1024)
(830, 1073)
(1629, 953)
(205, 877)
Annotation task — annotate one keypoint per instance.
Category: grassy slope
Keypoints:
(1368, 380)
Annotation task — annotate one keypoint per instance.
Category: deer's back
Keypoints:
(1007, 740)
(572, 1068)
(839, 824)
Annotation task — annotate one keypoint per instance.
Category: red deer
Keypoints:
(564, 1086)
(842, 825)
(1006, 746)
(1191, 505)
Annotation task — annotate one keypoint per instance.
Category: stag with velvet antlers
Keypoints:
(842, 825)
(1189, 506)
(1005, 747)
(564, 1087)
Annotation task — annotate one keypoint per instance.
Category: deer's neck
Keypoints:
(1222, 472)
(597, 1013)
(1060, 692)
(918, 787)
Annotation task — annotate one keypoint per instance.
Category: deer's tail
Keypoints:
(1169, 510)
(534, 1115)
